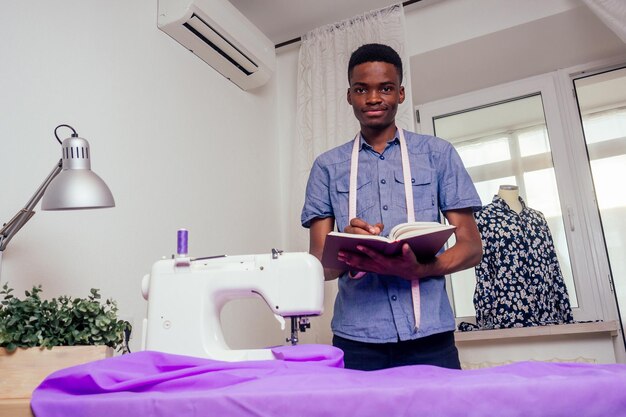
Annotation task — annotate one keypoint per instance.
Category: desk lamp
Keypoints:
(71, 185)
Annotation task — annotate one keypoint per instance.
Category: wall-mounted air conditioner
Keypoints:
(221, 36)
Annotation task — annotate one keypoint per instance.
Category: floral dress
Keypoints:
(519, 281)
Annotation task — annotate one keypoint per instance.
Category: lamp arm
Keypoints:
(14, 225)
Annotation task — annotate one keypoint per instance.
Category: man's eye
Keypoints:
(387, 89)
(359, 90)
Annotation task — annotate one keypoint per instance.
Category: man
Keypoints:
(375, 320)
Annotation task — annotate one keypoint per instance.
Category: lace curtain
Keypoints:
(324, 117)
(612, 13)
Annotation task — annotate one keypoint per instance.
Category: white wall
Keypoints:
(178, 144)
(434, 25)
(483, 50)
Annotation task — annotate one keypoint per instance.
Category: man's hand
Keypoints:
(361, 227)
(466, 252)
(404, 265)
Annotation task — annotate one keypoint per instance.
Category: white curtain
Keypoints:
(324, 117)
(612, 13)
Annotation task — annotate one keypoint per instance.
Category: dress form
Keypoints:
(519, 280)
(510, 194)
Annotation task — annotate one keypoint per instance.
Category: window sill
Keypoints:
(608, 327)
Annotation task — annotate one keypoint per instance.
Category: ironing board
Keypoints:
(309, 380)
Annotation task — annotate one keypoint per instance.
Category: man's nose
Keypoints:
(373, 96)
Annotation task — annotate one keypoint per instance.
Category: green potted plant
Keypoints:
(63, 321)
(38, 336)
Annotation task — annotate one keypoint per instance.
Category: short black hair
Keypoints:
(375, 52)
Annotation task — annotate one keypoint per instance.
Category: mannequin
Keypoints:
(510, 194)
(518, 281)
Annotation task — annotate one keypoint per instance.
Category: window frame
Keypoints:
(564, 81)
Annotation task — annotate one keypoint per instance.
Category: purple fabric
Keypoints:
(309, 381)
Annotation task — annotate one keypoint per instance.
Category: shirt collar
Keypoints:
(499, 202)
(365, 145)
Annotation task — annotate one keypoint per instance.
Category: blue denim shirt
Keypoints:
(378, 308)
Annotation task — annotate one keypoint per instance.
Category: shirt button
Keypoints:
(385, 207)
(383, 181)
(394, 298)
(413, 180)
(382, 157)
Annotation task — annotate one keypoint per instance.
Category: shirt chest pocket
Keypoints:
(366, 193)
(421, 184)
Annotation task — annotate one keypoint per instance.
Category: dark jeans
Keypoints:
(438, 350)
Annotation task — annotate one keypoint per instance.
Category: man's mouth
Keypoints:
(377, 111)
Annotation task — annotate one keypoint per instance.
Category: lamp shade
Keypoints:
(76, 186)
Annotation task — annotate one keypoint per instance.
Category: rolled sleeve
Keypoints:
(317, 202)
(457, 190)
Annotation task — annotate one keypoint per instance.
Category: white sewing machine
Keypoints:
(185, 297)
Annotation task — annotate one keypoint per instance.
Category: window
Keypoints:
(524, 133)
(601, 100)
(507, 143)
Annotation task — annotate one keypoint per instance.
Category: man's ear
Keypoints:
(401, 94)
(348, 97)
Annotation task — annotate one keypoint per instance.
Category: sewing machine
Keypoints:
(185, 297)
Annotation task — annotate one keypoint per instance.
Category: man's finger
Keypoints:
(369, 252)
(362, 224)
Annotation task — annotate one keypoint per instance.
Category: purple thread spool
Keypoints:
(183, 235)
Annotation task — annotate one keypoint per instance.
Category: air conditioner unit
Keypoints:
(221, 36)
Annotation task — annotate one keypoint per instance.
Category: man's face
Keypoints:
(375, 93)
